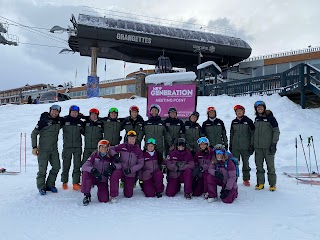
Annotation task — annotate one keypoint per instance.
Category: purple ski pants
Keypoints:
(202, 185)
(88, 181)
(153, 185)
(173, 186)
(128, 184)
(213, 184)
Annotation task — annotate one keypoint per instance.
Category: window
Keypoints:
(117, 89)
(124, 88)
(131, 88)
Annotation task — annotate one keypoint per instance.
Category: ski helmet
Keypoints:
(172, 109)
(132, 133)
(195, 114)
(55, 107)
(133, 108)
(203, 140)
(113, 109)
(219, 147)
(236, 107)
(259, 103)
(156, 106)
(94, 110)
(74, 108)
(103, 142)
(181, 142)
(210, 109)
(151, 141)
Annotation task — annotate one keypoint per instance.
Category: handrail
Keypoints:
(158, 21)
(283, 54)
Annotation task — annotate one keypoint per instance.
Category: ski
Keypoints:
(308, 181)
(302, 175)
(5, 172)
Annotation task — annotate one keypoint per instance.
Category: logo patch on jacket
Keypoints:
(67, 123)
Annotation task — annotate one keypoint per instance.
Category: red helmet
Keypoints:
(211, 109)
(94, 110)
(236, 107)
(134, 108)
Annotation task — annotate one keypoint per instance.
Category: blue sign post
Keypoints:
(92, 87)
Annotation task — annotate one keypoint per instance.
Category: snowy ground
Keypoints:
(292, 212)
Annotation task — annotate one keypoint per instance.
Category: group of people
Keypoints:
(187, 152)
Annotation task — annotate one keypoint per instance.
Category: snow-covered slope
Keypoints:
(292, 212)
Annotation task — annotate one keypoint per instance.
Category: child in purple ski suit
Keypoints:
(131, 158)
(202, 160)
(180, 164)
(96, 171)
(221, 174)
(151, 177)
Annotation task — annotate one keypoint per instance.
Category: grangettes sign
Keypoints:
(180, 96)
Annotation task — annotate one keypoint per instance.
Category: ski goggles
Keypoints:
(259, 103)
(210, 109)
(220, 152)
(103, 142)
(94, 110)
(74, 108)
(203, 140)
(111, 110)
(56, 107)
(151, 141)
(131, 133)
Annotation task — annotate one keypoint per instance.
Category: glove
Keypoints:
(116, 158)
(109, 170)
(97, 175)
(35, 151)
(251, 150)
(273, 149)
(127, 171)
(224, 193)
(218, 175)
(179, 165)
(196, 171)
(141, 184)
(226, 146)
(171, 147)
(164, 169)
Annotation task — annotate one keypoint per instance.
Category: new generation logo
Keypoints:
(158, 91)
(133, 38)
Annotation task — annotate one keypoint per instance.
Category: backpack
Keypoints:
(236, 163)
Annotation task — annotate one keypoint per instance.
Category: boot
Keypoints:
(187, 196)
(210, 200)
(159, 195)
(272, 188)
(76, 186)
(114, 200)
(259, 186)
(65, 186)
(86, 199)
(42, 192)
(246, 183)
(52, 189)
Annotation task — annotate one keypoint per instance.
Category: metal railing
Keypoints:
(302, 77)
(283, 54)
(100, 12)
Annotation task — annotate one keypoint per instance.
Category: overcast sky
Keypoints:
(268, 26)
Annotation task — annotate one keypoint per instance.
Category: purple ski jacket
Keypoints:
(183, 158)
(229, 174)
(203, 158)
(131, 157)
(100, 163)
(150, 166)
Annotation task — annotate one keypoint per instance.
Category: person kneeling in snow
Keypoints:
(131, 158)
(96, 171)
(222, 174)
(180, 164)
(150, 176)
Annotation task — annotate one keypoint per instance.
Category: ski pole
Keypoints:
(305, 157)
(25, 152)
(315, 156)
(309, 140)
(20, 150)
(297, 160)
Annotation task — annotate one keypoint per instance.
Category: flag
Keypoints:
(124, 64)
(105, 66)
